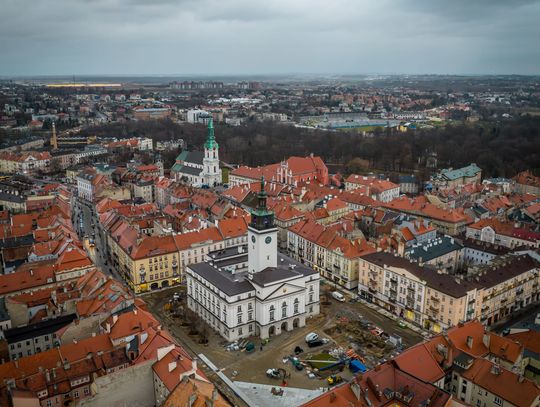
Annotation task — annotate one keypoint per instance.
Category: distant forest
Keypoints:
(501, 148)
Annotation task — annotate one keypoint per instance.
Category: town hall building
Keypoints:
(260, 293)
(199, 168)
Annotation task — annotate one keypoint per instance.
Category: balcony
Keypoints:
(519, 291)
(435, 300)
(393, 289)
(411, 289)
(472, 300)
(434, 308)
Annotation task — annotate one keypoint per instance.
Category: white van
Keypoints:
(338, 296)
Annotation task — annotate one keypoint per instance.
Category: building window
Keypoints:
(498, 401)
(49, 403)
(296, 305)
(250, 315)
(76, 394)
(239, 318)
(284, 310)
(272, 312)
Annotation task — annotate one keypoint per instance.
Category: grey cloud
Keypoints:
(271, 36)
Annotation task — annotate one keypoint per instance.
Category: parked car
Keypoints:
(315, 343)
(312, 336)
(338, 296)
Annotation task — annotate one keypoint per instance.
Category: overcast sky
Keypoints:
(65, 37)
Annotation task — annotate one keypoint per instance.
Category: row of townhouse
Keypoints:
(506, 234)
(322, 248)
(152, 262)
(436, 300)
(24, 163)
(379, 189)
(449, 221)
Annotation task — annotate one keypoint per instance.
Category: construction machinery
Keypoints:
(334, 379)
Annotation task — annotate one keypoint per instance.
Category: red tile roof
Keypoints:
(505, 384)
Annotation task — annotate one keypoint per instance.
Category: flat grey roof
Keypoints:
(230, 284)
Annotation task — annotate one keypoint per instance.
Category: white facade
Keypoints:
(262, 249)
(146, 144)
(85, 189)
(198, 116)
(263, 310)
(489, 235)
(211, 173)
(387, 195)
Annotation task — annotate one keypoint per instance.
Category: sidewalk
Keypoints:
(379, 309)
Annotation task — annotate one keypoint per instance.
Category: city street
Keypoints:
(86, 222)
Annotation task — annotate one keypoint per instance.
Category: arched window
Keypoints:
(284, 310)
(272, 312)
(296, 305)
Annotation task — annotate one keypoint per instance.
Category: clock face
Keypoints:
(253, 239)
(268, 239)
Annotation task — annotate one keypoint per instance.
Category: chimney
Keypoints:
(194, 364)
(47, 375)
(53, 370)
(31, 272)
(469, 342)
(495, 370)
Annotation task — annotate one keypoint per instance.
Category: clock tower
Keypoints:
(262, 236)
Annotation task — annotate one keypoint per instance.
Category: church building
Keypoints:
(199, 168)
(258, 292)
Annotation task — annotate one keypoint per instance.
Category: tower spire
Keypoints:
(262, 196)
(210, 137)
(54, 139)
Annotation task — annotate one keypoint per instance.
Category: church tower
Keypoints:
(54, 139)
(159, 164)
(211, 173)
(262, 236)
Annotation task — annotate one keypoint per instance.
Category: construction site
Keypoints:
(352, 338)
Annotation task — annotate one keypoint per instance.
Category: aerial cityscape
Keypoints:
(217, 204)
